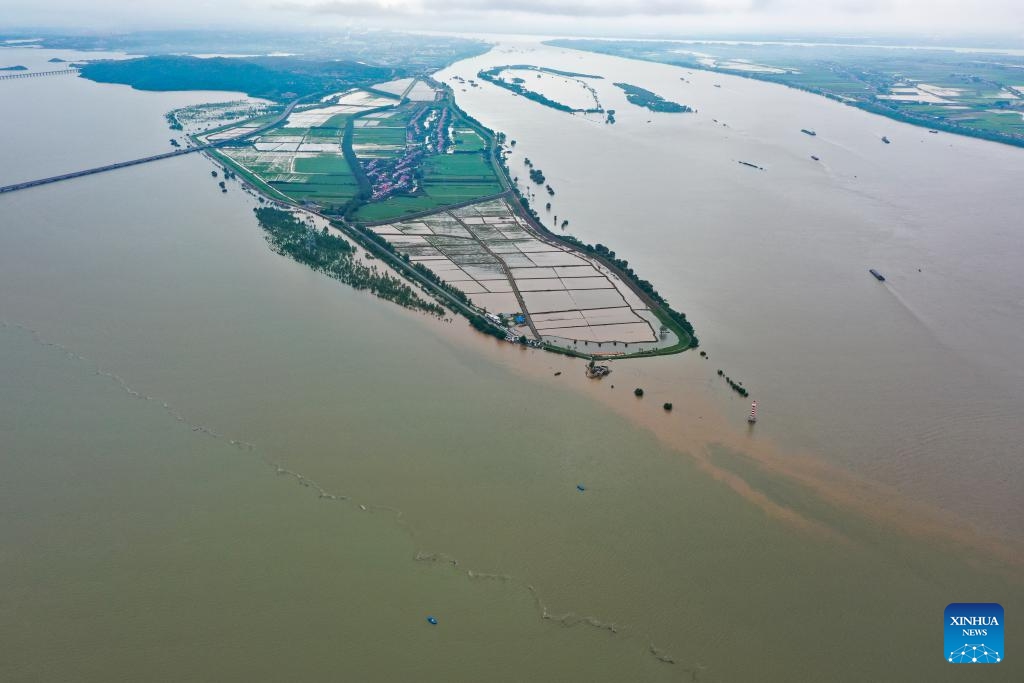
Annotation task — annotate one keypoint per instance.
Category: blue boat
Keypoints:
(878, 276)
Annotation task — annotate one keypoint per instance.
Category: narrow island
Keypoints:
(516, 84)
(649, 100)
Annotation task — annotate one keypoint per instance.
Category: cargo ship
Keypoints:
(808, 131)
(878, 276)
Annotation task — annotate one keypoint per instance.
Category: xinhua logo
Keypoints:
(974, 633)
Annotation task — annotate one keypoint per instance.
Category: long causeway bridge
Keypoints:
(145, 160)
(7, 75)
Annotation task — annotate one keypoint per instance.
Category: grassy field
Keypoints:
(461, 165)
(468, 140)
(396, 206)
(323, 163)
(379, 135)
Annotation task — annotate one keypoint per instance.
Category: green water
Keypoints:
(192, 427)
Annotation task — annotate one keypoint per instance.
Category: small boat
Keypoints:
(807, 131)
(878, 276)
(815, 158)
(886, 140)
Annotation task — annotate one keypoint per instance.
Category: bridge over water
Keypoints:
(145, 160)
(7, 75)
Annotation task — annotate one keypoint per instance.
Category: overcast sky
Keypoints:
(938, 18)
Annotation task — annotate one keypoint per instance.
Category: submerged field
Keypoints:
(542, 290)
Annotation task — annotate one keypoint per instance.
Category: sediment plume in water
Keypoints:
(694, 431)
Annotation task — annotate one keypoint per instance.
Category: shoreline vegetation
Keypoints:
(334, 256)
(649, 100)
(493, 75)
(973, 94)
(734, 385)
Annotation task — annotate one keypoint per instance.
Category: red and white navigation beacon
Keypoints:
(753, 413)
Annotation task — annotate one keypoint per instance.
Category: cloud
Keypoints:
(957, 19)
(552, 8)
(625, 17)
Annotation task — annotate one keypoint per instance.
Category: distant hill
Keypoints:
(273, 78)
(17, 67)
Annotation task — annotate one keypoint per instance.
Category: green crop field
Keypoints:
(324, 134)
(337, 121)
(463, 172)
(467, 140)
(323, 163)
(458, 165)
(450, 193)
(394, 207)
(390, 130)
(378, 135)
(1008, 122)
